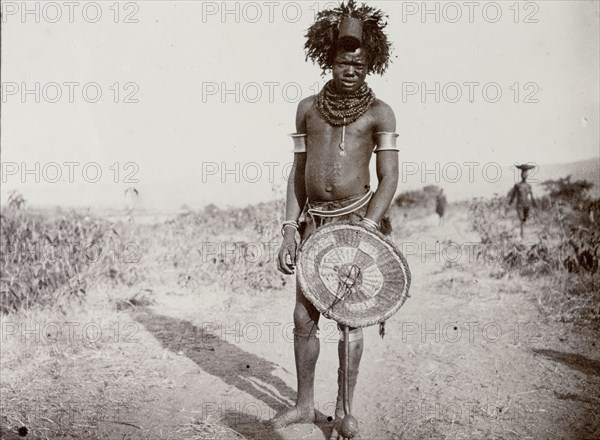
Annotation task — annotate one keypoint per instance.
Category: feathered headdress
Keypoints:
(362, 24)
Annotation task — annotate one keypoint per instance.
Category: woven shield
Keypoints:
(353, 275)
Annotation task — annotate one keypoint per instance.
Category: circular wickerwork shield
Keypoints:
(353, 275)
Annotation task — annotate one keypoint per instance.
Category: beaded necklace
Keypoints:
(335, 106)
(341, 109)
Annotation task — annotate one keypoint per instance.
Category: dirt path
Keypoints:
(467, 357)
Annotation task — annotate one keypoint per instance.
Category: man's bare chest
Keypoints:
(357, 134)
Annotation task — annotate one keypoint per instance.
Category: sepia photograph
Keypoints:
(300, 220)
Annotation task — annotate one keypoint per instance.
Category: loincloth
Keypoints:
(349, 209)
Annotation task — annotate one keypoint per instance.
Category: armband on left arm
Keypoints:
(386, 141)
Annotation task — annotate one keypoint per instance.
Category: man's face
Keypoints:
(524, 174)
(350, 70)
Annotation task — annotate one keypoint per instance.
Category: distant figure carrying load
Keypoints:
(522, 191)
(440, 204)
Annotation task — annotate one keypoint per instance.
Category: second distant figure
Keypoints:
(440, 205)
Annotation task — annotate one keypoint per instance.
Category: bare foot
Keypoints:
(294, 415)
(337, 423)
(335, 432)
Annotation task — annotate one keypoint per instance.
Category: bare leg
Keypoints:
(306, 351)
(356, 350)
(522, 228)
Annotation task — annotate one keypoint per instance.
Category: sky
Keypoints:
(192, 102)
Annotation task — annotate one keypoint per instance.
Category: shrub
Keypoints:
(565, 246)
(423, 198)
(45, 257)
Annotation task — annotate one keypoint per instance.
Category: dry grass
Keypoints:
(53, 259)
(60, 381)
(559, 255)
(63, 386)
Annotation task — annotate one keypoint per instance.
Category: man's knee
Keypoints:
(305, 325)
(304, 311)
(307, 333)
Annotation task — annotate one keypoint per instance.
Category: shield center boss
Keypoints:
(350, 274)
(350, 278)
(353, 275)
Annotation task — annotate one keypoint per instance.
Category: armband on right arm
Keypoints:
(299, 142)
(386, 141)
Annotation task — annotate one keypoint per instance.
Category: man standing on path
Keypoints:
(338, 131)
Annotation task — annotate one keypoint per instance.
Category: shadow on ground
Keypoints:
(572, 360)
(236, 367)
(583, 410)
